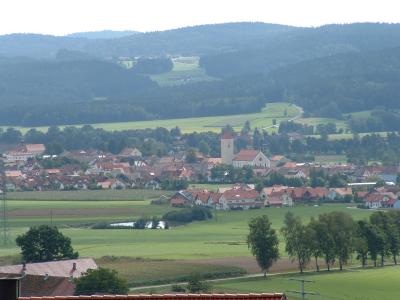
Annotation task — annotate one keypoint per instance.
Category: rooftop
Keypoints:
(167, 296)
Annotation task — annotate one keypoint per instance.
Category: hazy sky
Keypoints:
(66, 16)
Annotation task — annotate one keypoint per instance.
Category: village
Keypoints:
(27, 167)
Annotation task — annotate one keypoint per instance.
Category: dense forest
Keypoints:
(329, 71)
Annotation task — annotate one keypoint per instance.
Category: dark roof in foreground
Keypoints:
(167, 297)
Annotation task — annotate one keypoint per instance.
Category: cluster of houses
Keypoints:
(244, 196)
(24, 168)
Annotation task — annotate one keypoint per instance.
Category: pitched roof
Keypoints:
(61, 268)
(274, 296)
(240, 194)
(227, 135)
(35, 148)
(246, 155)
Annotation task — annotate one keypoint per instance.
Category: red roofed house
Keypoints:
(273, 296)
(35, 149)
(253, 158)
(380, 200)
(52, 278)
(239, 199)
(279, 198)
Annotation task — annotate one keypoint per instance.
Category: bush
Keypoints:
(188, 215)
(197, 285)
(178, 289)
(103, 281)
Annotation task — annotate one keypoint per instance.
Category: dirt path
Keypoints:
(248, 263)
(70, 212)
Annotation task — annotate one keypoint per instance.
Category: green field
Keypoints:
(140, 272)
(355, 284)
(340, 124)
(185, 70)
(99, 195)
(150, 256)
(224, 236)
(262, 119)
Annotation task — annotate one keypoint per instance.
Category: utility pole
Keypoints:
(4, 212)
(302, 292)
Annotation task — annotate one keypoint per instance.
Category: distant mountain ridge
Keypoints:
(103, 34)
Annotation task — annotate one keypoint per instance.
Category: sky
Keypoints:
(61, 17)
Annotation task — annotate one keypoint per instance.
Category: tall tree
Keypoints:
(102, 281)
(45, 243)
(326, 242)
(387, 226)
(341, 226)
(263, 242)
(296, 239)
(360, 241)
(315, 237)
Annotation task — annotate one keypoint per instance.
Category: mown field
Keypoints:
(214, 248)
(99, 195)
(224, 236)
(261, 119)
(185, 70)
(355, 284)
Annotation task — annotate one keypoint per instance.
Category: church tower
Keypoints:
(227, 148)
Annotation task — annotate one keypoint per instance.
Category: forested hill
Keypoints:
(328, 71)
(341, 83)
(196, 40)
(300, 45)
(104, 34)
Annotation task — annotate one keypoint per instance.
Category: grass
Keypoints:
(98, 195)
(356, 284)
(340, 124)
(139, 272)
(261, 119)
(185, 70)
(223, 236)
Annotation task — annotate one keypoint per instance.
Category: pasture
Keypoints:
(185, 70)
(214, 248)
(261, 119)
(353, 284)
(222, 237)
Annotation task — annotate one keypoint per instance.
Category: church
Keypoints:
(245, 157)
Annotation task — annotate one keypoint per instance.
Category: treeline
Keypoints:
(151, 66)
(80, 91)
(301, 44)
(336, 237)
(188, 215)
(160, 141)
(379, 120)
(321, 129)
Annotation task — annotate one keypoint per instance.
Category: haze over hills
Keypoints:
(327, 70)
(104, 34)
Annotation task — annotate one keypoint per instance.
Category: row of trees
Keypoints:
(335, 237)
(160, 141)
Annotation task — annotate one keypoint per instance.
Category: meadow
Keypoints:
(353, 284)
(185, 70)
(98, 195)
(224, 236)
(214, 248)
(263, 119)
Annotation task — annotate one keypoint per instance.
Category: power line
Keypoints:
(302, 292)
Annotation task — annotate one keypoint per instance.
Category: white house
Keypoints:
(252, 158)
